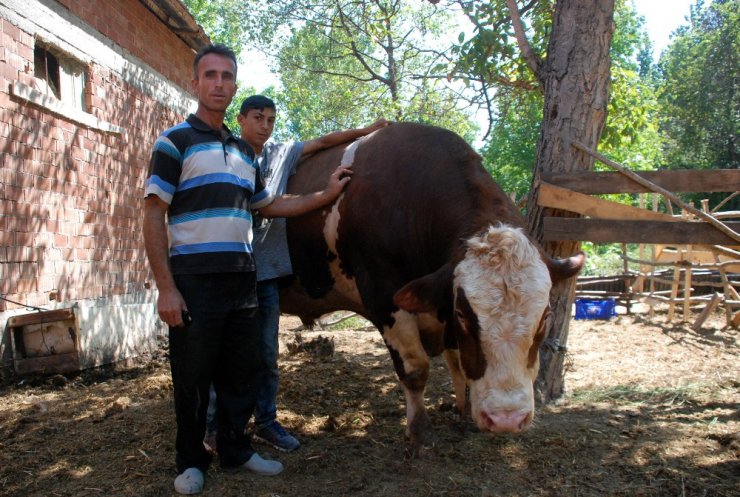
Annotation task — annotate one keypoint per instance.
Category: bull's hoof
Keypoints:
(412, 451)
(420, 437)
(416, 450)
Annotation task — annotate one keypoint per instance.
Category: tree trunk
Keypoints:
(575, 80)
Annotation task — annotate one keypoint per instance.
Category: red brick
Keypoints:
(82, 254)
(12, 193)
(11, 30)
(43, 184)
(61, 241)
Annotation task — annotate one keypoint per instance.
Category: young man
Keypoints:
(277, 162)
(201, 189)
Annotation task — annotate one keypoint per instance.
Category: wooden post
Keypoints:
(706, 312)
(639, 283)
(674, 285)
(687, 287)
(730, 292)
(654, 255)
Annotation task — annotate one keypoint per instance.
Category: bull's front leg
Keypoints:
(459, 384)
(411, 363)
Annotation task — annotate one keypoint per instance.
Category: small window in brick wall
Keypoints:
(60, 76)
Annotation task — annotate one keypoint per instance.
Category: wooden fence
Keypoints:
(694, 240)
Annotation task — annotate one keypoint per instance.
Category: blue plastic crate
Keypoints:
(596, 308)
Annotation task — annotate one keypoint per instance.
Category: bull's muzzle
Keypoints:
(506, 421)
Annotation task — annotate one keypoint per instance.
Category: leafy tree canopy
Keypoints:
(347, 63)
(631, 134)
(225, 21)
(700, 96)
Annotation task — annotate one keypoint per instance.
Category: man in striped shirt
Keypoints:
(202, 186)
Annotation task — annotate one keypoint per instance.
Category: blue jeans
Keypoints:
(268, 296)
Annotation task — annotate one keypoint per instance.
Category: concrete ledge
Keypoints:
(35, 97)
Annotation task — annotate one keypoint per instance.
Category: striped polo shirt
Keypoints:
(211, 183)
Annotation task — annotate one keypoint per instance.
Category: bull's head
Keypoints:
(500, 294)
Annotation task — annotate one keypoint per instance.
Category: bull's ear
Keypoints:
(562, 269)
(428, 293)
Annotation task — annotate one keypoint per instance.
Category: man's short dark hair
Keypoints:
(259, 102)
(218, 50)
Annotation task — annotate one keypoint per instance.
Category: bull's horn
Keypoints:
(561, 269)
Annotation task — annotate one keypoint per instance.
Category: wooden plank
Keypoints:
(41, 317)
(716, 298)
(620, 231)
(561, 198)
(50, 364)
(659, 189)
(683, 180)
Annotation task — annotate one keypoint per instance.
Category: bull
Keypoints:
(426, 246)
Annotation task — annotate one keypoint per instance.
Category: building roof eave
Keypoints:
(180, 21)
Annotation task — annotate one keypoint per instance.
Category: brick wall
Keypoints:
(130, 24)
(70, 196)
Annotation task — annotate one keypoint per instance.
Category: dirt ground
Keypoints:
(652, 409)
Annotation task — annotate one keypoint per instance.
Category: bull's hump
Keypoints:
(348, 157)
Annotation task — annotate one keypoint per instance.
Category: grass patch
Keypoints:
(338, 321)
(633, 394)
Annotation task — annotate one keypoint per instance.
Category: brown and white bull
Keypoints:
(427, 246)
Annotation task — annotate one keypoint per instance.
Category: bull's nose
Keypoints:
(507, 421)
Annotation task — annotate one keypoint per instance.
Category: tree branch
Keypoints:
(532, 59)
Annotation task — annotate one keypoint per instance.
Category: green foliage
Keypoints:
(346, 64)
(492, 56)
(701, 94)
(602, 259)
(631, 133)
(509, 154)
(224, 21)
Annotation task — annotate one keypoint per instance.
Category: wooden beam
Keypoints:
(620, 231)
(586, 205)
(41, 317)
(659, 189)
(686, 180)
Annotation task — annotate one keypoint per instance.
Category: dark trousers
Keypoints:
(220, 346)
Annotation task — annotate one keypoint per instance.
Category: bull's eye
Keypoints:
(461, 319)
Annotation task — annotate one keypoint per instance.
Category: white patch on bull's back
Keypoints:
(348, 157)
(507, 285)
(345, 286)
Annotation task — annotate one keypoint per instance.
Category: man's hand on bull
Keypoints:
(380, 123)
(337, 181)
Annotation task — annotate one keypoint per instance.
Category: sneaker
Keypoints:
(264, 467)
(189, 482)
(275, 435)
